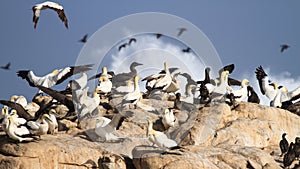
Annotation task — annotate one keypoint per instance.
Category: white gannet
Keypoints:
(104, 85)
(19, 108)
(164, 82)
(159, 138)
(88, 104)
(53, 78)
(17, 120)
(124, 89)
(190, 94)
(168, 119)
(222, 87)
(49, 5)
(133, 97)
(105, 127)
(19, 99)
(14, 132)
(52, 123)
(266, 88)
(39, 127)
(241, 93)
(283, 95)
(121, 78)
(175, 84)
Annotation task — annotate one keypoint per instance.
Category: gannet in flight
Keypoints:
(6, 67)
(49, 5)
(159, 138)
(53, 78)
(181, 30)
(84, 38)
(284, 47)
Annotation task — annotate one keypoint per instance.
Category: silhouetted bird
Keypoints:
(297, 146)
(181, 30)
(122, 46)
(290, 156)
(6, 67)
(252, 95)
(283, 47)
(131, 40)
(84, 38)
(283, 144)
(158, 35)
(187, 50)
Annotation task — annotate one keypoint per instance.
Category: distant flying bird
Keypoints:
(181, 30)
(51, 5)
(283, 47)
(158, 35)
(187, 50)
(131, 40)
(122, 46)
(6, 67)
(84, 38)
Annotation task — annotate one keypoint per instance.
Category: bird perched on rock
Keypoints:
(283, 144)
(290, 156)
(39, 127)
(49, 5)
(168, 119)
(252, 95)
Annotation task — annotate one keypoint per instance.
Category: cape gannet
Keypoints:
(168, 119)
(52, 123)
(121, 78)
(105, 128)
(39, 127)
(284, 47)
(252, 95)
(283, 144)
(241, 93)
(174, 85)
(19, 99)
(14, 132)
(266, 88)
(88, 104)
(158, 35)
(84, 38)
(283, 95)
(6, 67)
(186, 50)
(54, 78)
(49, 5)
(133, 97)
(164, 82)
(19, 108)
(131, 40)
(104, 85)
(180, 31)
(159, 138)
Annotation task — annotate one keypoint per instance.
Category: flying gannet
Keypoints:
(48, 5)
(6, 67)
(84, 38)
(53, 78)
(180, 31)
(159, 138)
(284, 47)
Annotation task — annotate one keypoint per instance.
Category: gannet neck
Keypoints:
(166, 68)
(136, 83)
(13, 98)
(104, 70)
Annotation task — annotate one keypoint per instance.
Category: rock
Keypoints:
(60, 151)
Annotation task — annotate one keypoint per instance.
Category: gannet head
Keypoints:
(52, 111)
(245, 82)
(13, 98)
(46, 117)
(55, 72)
(283, 135)
(167, 111)
(135, 64)
(14, 113)
(104, 70)
(275, 85)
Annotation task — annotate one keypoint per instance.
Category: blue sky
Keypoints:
(247, 33)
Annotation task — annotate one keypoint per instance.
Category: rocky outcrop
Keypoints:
(218, 136)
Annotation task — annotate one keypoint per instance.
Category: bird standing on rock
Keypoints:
(283, 144)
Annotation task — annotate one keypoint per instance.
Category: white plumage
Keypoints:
(241, 93)
(48, 5)
(168, 119)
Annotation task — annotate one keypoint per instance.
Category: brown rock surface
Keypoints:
(213, 137)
